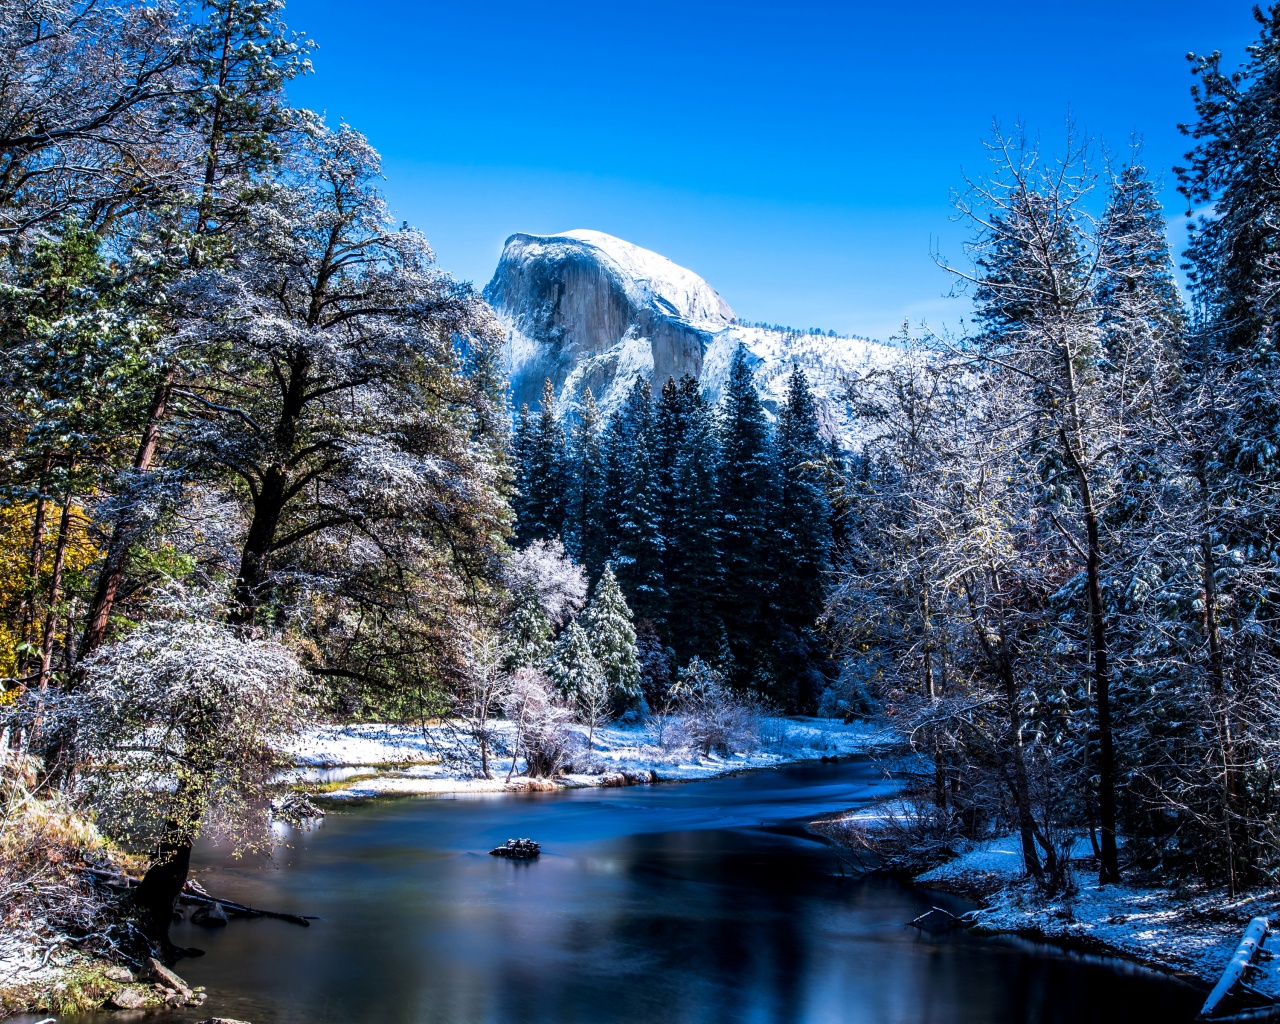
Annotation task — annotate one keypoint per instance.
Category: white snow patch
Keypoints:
(426, 759)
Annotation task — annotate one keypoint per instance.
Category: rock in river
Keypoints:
(517, 849)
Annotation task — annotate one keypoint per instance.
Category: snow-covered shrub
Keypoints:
(710, 717)
(540, 718)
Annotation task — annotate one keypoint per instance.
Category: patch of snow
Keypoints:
(996, 857)
(426, 760)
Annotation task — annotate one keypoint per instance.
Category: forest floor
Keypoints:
(1189, 931)
(371, 760)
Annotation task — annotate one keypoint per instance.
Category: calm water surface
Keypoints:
(683, 903)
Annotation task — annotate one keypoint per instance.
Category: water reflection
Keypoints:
(664, 904)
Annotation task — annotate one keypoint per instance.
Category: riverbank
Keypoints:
(345, 762)
(1190, 932)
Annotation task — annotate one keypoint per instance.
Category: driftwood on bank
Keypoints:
(1239, 963)
(192, 894)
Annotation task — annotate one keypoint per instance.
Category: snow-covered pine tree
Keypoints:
(1233, 418)
(745, 477)
(693, 558)
(613, 642)
(631, 517)
(1234, 169)
(527, 632)
(543, 477)
(573, 667)
(802, 531)
(587, 536)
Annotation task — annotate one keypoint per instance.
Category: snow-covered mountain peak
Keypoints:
(588, 310)
(651, 278)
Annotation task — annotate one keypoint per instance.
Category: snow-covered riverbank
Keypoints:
(368, 760)
(1191, 931)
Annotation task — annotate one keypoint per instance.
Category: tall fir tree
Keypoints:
(745, 486)
(690, 517)
(588, 539)
(613, 642)
(802, 535)
(540, 450)
(635, 541)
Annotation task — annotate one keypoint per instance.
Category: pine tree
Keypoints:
(613, 642)
(528, 633)
(540, 445)
(572, 667)
(588, 541)
(802, 533)
(745, 486)
(690, 518)
(242, 57)
(1234, 167)
(631, 514)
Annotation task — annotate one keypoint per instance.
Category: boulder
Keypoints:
(209, 915)
(128, 998)
(121, 975)
(154, 971)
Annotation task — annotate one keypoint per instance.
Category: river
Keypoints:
(668, 904)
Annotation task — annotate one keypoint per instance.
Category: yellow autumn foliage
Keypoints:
(16, 524)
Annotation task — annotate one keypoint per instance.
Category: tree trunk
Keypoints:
(117, 556)
(55, 587)
(254, 568)
(157, 896)
(37, 557)
(1021, 790)
(1109, 862)
(1235, 829)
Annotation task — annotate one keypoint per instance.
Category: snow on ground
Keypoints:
(1194, 931)
(380, 759)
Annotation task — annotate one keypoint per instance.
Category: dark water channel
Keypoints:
(662, 904)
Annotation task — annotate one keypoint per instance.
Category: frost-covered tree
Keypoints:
(331, 388)
(543, 569)
(573, 667)
(613, 642)
(635, 539)
(179, 723)
(479, 698)
(686, 453)
(527, 631)
(803, 542)
(86, 97)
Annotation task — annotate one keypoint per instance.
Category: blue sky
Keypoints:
(799, 156)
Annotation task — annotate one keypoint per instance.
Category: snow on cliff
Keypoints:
(586, 309)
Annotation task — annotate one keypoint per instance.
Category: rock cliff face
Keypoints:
(586, 309)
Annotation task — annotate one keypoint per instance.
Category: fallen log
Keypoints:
(1239, 963)
(202, 898)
